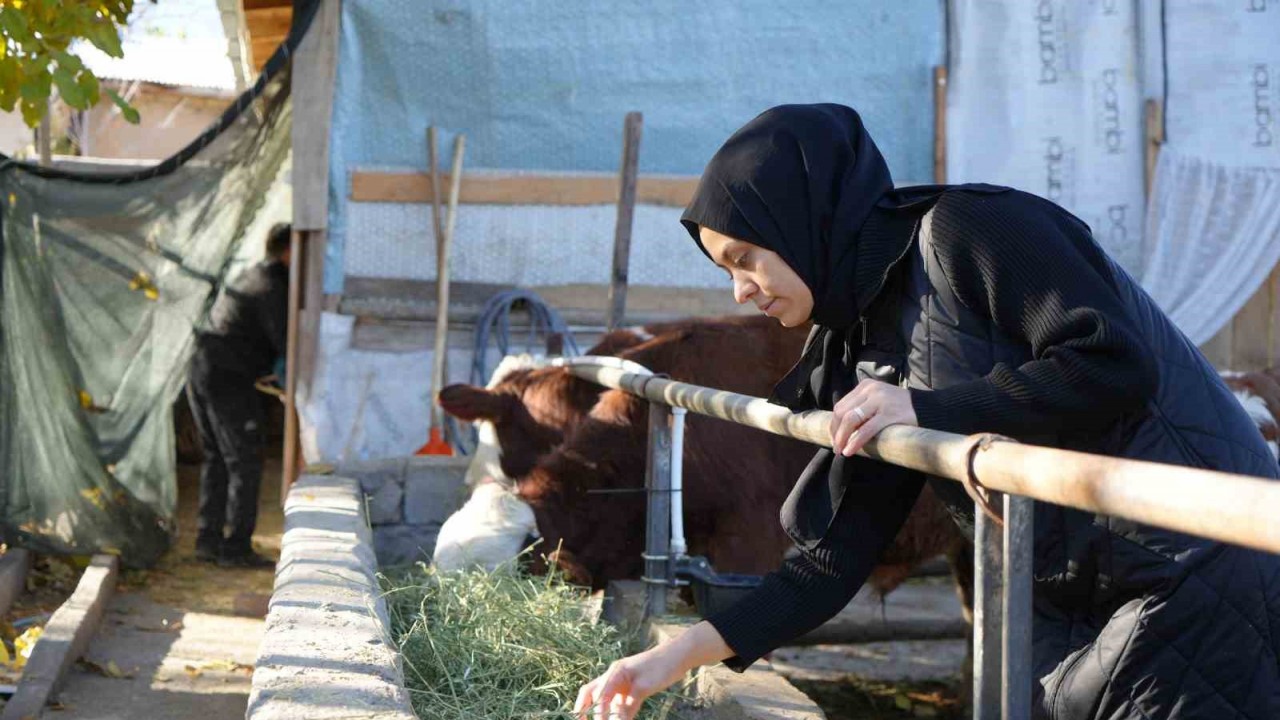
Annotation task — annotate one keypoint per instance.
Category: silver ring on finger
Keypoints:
(861, 415)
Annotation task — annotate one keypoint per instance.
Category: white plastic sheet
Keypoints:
(1045, 97)
(367, 404)
(1214, 215)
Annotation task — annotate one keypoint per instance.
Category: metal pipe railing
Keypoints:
(1220, 506)
(1231, 508)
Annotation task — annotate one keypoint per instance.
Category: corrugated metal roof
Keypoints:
(200, 62)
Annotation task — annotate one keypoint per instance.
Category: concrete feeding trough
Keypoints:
(327, 652)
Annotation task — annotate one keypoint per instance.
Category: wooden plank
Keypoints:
(268, 22)
(1217, 349)
(262, 49)
(522, 189)
(313, 74)
(1154, 131)
(1251, 333)
(632, 127)
(65, 638)
(940, 124)
(291, 433)
(252, 5)
(313, 305)
(1273, 317)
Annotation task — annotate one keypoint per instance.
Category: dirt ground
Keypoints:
(181, 581)
(179, 639)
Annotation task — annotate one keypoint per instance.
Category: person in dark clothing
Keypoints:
(970, 309)
(245, 341)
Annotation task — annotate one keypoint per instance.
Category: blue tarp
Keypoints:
(545, 85)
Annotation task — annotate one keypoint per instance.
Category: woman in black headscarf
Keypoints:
(977, 309)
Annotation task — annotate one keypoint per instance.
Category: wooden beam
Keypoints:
(523, 189)
(627, 178)
(66, 637)
(268, 22)
(262, 50)
(292, 435)
(313, 76)
(1154, 131)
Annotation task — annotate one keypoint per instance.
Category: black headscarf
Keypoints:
(799, 180)
(809, 183)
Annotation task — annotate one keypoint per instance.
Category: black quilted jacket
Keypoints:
(1001, 314)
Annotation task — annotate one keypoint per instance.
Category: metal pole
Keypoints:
(988, 615)
(1018, 536)
(657, 545)
(679, 547)
(1236, 509)
(631, 129)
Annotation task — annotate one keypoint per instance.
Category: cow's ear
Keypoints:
(468, 402)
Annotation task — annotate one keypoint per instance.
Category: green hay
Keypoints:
(493, 646)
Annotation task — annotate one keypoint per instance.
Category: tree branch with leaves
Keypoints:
(36, 55)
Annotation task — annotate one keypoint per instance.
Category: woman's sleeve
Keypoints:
(1037, 274)
(812, 586)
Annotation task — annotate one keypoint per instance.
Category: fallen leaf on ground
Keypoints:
(111, 669)
(164, 626)
(25, 643)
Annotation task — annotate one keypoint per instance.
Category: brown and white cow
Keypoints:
(565, 440)
(1259, 394)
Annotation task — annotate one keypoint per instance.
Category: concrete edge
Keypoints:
(66, 636)
(13, 576)
(325, 652)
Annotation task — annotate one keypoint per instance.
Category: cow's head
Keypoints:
(588, 493)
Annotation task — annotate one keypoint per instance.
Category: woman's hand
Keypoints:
(864, 412)
(618, 693)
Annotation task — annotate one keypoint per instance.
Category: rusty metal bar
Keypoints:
(988, 616)
(1236, 509)
(1016, 653)
(657, 541)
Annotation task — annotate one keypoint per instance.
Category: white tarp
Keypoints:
(1214, 237)
(367, 404)
(1214, 218)
(1045, 97)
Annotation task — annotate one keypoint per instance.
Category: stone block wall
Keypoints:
(407, 500)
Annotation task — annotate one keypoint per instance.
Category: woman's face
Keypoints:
(760, 277)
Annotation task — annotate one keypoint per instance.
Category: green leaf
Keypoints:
(36, 86)
(130, 112)
(68, 89)
(32, 112)
(10, 76)
(68, 61)
(88, 83)
(105, 37)
(15, 26)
